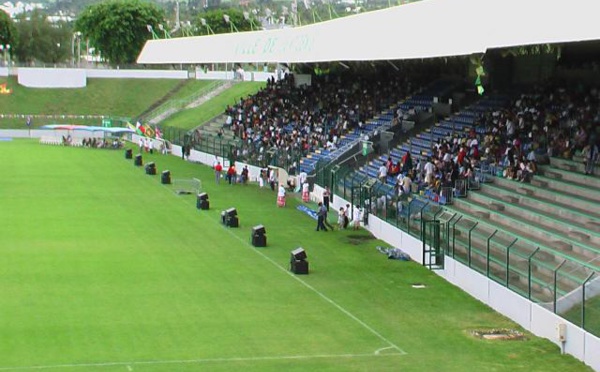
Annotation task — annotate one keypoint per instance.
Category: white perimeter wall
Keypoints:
(52, 77)
(77, 78)
(229, 75)
(136, 74)
(3, 71)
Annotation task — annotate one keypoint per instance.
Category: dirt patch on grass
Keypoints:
(502, 334)
(359, 239)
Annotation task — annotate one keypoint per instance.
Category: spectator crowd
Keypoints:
(292, 121)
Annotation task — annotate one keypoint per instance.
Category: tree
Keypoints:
(215, 20)
(118, 29)
(40, 40)
(8, 33)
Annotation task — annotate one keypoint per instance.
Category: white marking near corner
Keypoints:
(378, 351)
(198, 361)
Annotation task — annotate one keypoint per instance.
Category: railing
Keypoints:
(235, 149)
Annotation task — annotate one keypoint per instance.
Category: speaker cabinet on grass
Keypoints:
(165, 177)
(258, 236)
(298, 262)
(202, 201)
(151, 169)
(129, 154)
(138, 160)
(229, 218)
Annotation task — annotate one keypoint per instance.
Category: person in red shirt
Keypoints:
(231, 174)
(218, 169)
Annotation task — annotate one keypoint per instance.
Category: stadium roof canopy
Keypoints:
(424, 29)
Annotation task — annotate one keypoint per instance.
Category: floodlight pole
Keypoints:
(232, 26)
(151, 30)
(209, 30)
(164, 30)
(253, 26)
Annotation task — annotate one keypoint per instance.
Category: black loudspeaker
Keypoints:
(259, 230)
(259, 240)
(138, 160)
(258, 236)
(299, 267)
(231, 212)
(151, 169)
(298, 254)
(165, 177)
(229, 218)
(202, 201)
(129, 154)
(233, 222)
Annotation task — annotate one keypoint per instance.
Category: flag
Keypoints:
(139, 128)
(148, 131)
(131, 126)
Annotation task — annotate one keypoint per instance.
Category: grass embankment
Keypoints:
(105, 269)
(191, 118)
(112, 97)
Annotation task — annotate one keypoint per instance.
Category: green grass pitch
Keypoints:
(105, 269)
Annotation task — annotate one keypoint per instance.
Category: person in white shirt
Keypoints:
(406, 184)
(429, 171)
(382, 175)
(356, 218)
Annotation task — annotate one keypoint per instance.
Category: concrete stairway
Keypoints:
(170, 108)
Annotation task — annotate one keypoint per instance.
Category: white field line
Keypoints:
(319, 293)
(129, 365)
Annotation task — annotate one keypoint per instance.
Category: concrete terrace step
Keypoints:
(570, 176)
(569, 165)
(587, 192)
(542, 220)
(526, 197)
(540, 213)
(534, 236)
(557, 196)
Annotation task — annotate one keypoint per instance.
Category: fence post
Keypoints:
(529, 272)
(469, 248)
(487, 258)
(555, 283)
(508, 261)
(454, 234)
(583, 300)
